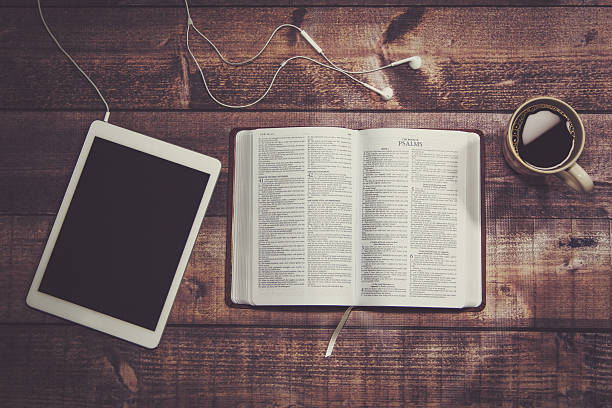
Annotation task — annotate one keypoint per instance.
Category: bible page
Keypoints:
(304, 231)
(413, 218)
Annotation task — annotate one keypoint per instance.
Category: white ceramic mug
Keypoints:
(567, 170)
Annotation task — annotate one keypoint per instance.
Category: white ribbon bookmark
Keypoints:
(332, 341)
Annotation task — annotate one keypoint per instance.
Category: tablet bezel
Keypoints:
(96, 320)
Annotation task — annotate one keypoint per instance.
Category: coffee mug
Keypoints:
(546, 136)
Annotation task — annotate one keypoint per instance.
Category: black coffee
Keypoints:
(549, 148)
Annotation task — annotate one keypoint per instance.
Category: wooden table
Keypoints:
(544, 338)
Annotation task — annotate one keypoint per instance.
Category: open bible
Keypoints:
(377, 217)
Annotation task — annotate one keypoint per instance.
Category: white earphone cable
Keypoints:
(330, 64)
(280, 67)
(210, 93)
(107, 115)
(367, 71)
(246, 61)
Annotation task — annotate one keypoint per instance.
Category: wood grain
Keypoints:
(540, 274)
(72, 366)
(39, 150)
(474, 58)
(561, 259)
(305, 3)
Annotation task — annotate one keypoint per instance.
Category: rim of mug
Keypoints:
(552, 170)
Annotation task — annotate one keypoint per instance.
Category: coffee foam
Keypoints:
(537, 124)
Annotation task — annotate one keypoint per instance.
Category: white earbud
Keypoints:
(416, 63)
(385, 93)
(413, 62)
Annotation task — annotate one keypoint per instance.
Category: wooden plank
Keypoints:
(540, 274)
(564, 264)
(72, 366)
(305, 3)
(39, 150)
(126, 55)
(474, 58)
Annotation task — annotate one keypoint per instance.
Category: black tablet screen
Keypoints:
(124, 233)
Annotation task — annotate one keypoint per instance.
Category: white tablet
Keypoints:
(123, 234)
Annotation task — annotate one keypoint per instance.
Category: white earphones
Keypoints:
(386, 93)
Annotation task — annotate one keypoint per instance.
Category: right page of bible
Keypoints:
(418, 236)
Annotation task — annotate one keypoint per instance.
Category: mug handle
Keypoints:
(576, 178)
